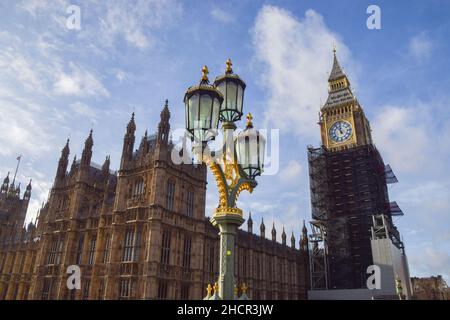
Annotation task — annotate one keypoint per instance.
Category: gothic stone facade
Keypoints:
(140, 233)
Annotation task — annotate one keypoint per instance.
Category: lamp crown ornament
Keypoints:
(249, 120)
(205, 73)
(209, 289)
(228, 69)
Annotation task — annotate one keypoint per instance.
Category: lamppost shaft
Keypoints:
(228, 224)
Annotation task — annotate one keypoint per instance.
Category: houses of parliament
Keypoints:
(140, 233)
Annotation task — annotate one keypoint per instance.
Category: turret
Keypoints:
(73, 167)
(128, 142)
(63, 162)
(283, 237)
(304, 240)
(274, 232)
(293, 240)
(143, 147)
(87, 151)
(17, 192)
(250, 223)
(262, 229)
(27, 194)
(5, 184)
(164, 125)
(105, 166)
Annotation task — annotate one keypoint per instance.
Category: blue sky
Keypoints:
(132, 55)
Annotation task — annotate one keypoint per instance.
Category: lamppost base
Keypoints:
(228, 222)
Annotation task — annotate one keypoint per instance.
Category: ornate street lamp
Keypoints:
(239, 162)
(232, 88)
(202, 103)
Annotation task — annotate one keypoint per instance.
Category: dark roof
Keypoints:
(395, 209)
(390, 175)
(339, 97)
(336, 71)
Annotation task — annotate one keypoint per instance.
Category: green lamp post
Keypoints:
(234, 167)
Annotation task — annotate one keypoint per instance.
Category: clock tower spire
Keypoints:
(342, 120)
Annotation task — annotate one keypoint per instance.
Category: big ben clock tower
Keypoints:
(343, 122)
(349, 198)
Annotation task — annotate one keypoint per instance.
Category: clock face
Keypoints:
(341, 131)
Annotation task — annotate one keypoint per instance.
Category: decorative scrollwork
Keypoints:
(244, 186)
(226, 210)
(221, 184)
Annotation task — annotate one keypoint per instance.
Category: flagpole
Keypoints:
(17, 168)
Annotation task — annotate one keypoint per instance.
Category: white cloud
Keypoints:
(221, 15)
(35, 7)
(80, 82)
(430, 261)
(295, 57)
(421, 46)
(48, 10)
(22, 131)
(434, 195)
(83, 110)
(134, 21)
(20, 68)
(291, 172)
(121, 75)
(403, 136)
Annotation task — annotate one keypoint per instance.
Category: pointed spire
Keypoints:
(105, 166)
(274, 232)
(304, 240)
(87, 151)
(283, 237)
(63, 162)
(165, 110)
(336, 70)
(27, 194)
(89, 141)
(293, 240)
(143, 147)
(250, 223)
(304, 230)
(65, 151)
(131, 127)
(164, 126)
(18, 190)
(128, 143)
(262, 229)
(5, 184)
(74, 164)
(6, 178)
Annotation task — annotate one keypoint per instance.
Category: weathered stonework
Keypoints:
(140, 233)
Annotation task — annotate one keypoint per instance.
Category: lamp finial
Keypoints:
(249, 120)
(205, 73)
(209, 290)
(229, 64)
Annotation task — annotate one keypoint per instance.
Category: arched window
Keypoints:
(132, 244)
(190, 203)
(138, 187)
(170, 194)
